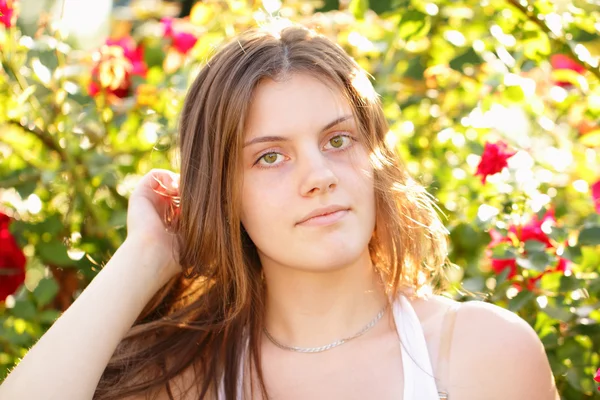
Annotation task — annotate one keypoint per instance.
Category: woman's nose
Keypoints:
(318, 176)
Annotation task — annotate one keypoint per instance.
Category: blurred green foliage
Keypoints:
(77, 129)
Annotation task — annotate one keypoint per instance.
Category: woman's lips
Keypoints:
(324, 220)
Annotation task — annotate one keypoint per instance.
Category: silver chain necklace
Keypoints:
(337, 343)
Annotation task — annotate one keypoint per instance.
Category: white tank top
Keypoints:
(419, 382)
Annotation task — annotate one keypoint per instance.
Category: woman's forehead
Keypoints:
(299, 101)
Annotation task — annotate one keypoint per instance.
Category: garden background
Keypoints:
(494, 105)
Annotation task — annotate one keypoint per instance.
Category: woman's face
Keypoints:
(302, 156)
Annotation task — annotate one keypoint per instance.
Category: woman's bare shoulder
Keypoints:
(497, 355)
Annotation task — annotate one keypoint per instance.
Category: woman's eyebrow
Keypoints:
(265, 139)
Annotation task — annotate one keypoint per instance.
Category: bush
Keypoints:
(493, 105)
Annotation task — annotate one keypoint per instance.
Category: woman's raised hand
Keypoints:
(153, 206)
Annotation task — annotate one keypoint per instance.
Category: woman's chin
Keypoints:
(330, 262)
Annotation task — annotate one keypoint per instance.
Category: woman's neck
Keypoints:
(311, 309)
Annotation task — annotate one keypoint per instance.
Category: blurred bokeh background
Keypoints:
(494, 106)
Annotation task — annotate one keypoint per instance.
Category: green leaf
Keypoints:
(45, 291)
(415, 70)
(569, 283)
(413, 25)
(504, 251)
(474, 284)
(536, 45)
(534, 245)
(24, 308)
(517, 302)
(558, 234)
(118, 218)
(54, 252)
(26, 189)
(572, 253)
(574, 379)
(466, 237)
(51, 225)
(358, 8)
(48, 316)
(538, 261)
(469, 57)
(550, 339)
(329, 5)
(588, 330)
(502, 276)
(382, 6)
(589, 236)
(557, 313)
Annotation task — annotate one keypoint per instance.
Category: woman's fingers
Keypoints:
(160, 185)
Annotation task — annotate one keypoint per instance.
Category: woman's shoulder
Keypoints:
(474, 317)
(493, 350)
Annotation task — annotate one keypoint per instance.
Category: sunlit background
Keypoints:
(493, 105)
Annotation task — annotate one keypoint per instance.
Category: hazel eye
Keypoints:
(339, 142)
(270, 159)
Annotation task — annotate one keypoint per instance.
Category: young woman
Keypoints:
(289, 260)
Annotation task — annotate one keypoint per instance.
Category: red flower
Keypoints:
(500, 265)
(168, 26)
(493, 159)
(533, 229)
(6, 13)
(597, 376)
(183, 42)
(119, 60)
(561, 61)
(563, 265)
(12, 260)
(132, 52)
(596, 195)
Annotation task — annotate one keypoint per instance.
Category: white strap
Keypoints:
(419, 382)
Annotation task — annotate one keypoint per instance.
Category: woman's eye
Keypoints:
(269, 159)
(339, 141)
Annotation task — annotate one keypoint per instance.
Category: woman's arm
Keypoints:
(69, 359)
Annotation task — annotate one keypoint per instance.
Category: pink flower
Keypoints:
(7, 12)
(167, 23)
(563, 265)
(93, 89)
(533, 229)
(120, 59)
(132, 52)
(561, 61)
(596, 195)
(597, 376)
(493, 159)
(183, 42)
(500, 265)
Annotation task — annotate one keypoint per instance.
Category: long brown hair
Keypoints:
(204, 318)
